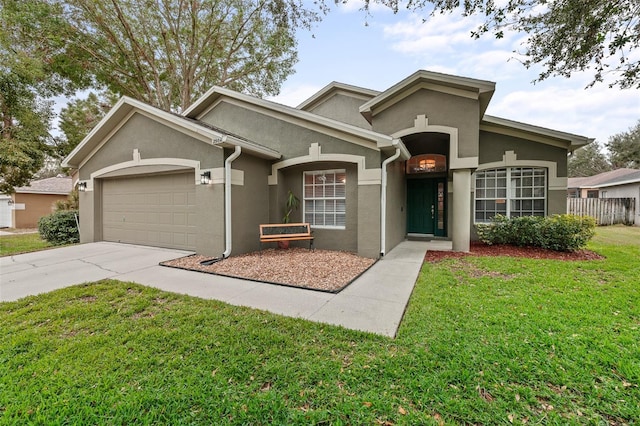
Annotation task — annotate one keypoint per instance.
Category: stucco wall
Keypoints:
(369, 221)
(289, 139)
(396, 212)
(156, 140)
(342, 107)
(210, 219)
(35, 206)
(494, 145)
(440, 109)
(330, 239)
(152, 140)
(250, 203)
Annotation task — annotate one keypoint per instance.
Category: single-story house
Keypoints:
(619, 183)
(28, 204)
(420, 159)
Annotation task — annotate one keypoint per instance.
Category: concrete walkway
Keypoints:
(375, 302)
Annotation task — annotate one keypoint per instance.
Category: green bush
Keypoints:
(60, 227)
(566, 232)
(558, 232)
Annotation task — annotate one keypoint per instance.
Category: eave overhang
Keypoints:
(126, 107)
(348, 132)
(481, 90)
(527, 131)
(335, 88)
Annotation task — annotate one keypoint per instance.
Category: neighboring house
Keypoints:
(370, 168)
(29, 203)
(6, 219)
(619, 183)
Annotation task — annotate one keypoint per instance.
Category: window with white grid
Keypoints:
(325, 198)
(511, 192)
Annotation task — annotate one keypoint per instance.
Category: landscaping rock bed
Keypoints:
(322, 270)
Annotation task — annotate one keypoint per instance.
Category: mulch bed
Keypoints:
(480, 249)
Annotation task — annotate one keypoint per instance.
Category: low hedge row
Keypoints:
(563, 232)
(59, 227)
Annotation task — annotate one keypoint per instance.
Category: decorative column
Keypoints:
(461, 227)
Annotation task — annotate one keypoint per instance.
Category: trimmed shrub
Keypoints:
(558, 232)
(60, 227)
(567, 232)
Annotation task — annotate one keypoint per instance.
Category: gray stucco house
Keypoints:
(370, 168)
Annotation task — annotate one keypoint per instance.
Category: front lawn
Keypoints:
(21, 243)
(484, 340)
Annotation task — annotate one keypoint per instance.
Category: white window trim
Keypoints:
(304, 199)
(509, 196)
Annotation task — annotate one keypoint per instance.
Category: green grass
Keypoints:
(484, 340)
(21, 243)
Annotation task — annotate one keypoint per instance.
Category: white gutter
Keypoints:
(227, 200)
(383, 198)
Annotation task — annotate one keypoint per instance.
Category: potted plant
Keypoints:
(291, 203)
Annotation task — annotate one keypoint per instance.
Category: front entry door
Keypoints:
(425, 206)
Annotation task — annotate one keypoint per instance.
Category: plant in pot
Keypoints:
(291, 203)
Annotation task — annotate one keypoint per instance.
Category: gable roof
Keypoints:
(606, 179)
(480, 89)
(308, 119)
(575, 141)
(126, 106)
(58, 185)
(335, 88)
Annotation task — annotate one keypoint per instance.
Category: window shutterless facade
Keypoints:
(324, 203)
(511, 192)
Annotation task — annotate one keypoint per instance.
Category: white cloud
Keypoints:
(598, 112)
(358, 6)
(294, 95)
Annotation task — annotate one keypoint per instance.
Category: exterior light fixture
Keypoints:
(82, 186)
(205, 178)
(10, 202)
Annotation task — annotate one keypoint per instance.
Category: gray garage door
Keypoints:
(156, 210)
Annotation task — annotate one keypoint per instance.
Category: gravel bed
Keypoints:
(323, 270)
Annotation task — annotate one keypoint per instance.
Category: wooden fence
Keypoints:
(606, 211)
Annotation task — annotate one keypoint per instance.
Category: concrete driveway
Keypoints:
(47, 270)
(375, 302)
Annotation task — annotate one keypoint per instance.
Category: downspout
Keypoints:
(383, 199)
(227, 200)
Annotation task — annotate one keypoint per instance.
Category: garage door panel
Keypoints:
(151, 210)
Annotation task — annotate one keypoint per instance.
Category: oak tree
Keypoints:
(588, 160)
(624, 148)
(564, 36)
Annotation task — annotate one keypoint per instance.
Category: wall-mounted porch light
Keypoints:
(11, 202)
(205, 178)
(82, 186)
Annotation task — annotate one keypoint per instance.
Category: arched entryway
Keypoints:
(426, 176)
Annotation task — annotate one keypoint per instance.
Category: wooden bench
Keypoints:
(275, 232)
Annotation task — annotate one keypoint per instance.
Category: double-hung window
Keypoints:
(325, 198)
(511, 192)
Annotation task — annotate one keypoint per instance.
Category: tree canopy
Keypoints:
(625, 148)
(79, 117)
(623, 151)
(588, 161)
(166, 53)
(24, 131)
(564, 36)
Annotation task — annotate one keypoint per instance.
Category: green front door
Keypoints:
(425, 206)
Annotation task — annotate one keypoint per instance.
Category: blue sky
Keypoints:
(392, 47)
